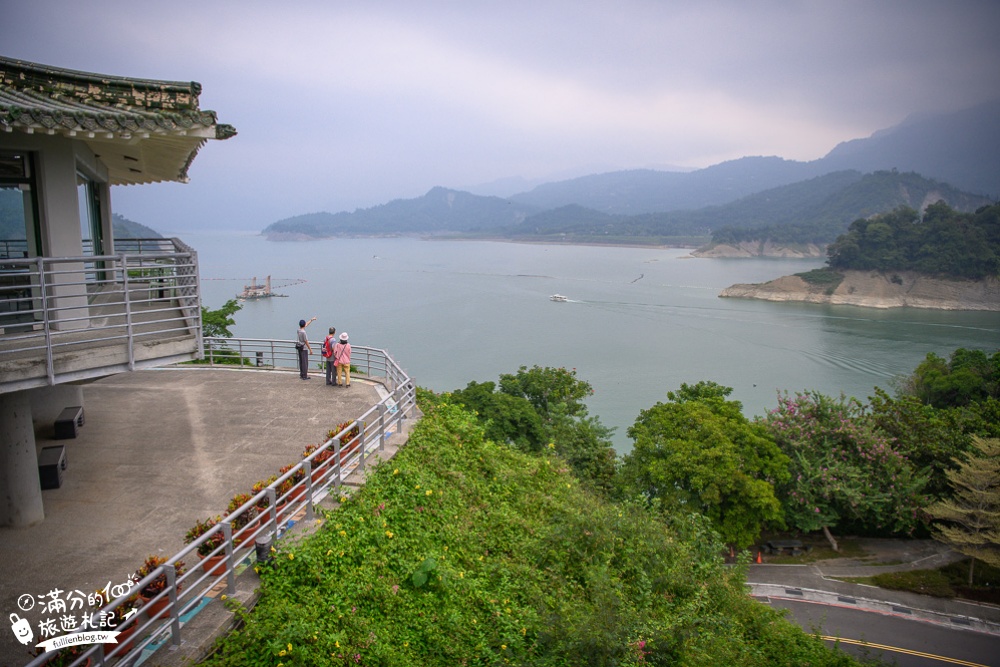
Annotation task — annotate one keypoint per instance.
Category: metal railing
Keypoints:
(251, 530)
(281, 354)
(57, 305)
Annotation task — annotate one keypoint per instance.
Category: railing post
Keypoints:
(175, 618)
(307, 469)
(381, 426)
(227, 532)
(43, 288)
(272, 500)
(122, 258)
(338, 458)
(361, 442)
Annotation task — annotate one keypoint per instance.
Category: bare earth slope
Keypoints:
(873, 289)
(761, 249)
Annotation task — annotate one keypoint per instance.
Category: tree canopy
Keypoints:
(940, 242)
(216, 323)
(541, 409)
(843, 470)
(698, 453)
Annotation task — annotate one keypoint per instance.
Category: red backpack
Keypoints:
(328, 347)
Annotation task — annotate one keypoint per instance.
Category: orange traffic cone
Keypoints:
(759, 561)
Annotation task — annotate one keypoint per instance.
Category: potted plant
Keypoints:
(318, 464)
(118, 618)
(156, 586)
(209, 562)
(259, 486)
(243, 520)
(292, 487)
(349, 440)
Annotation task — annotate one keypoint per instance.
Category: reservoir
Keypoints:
(637, 323)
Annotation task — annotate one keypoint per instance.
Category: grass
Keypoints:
(950, 581)
(823, 278)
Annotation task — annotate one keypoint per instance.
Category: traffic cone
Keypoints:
(758, 561)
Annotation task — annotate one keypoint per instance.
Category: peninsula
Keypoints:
(875, 289)
(941, 259)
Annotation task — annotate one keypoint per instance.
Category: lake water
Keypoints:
(639, 321)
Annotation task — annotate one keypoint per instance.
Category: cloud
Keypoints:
(344, 104)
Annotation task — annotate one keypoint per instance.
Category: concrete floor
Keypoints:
(159, 450)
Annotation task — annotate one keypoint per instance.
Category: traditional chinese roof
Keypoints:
(145, 131)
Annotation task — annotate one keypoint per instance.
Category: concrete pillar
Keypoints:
(48, 402)
(20, 488)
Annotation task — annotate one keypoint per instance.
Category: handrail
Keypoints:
(248, 527)
(149, 291)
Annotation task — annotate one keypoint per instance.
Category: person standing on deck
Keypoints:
(303, 348)
(328, 343)
(342, 358)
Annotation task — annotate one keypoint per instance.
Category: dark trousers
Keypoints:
(330, 378)
(303, 363)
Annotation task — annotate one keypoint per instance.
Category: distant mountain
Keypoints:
(440, 210)
(12, 220)
(945, 156)
(814, 211)
(820, 210)
(124, 228)
(960, 148)
(649, 191)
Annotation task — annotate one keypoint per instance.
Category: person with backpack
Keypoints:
(342, 358)
(328, 344)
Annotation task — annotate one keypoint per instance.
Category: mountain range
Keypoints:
(953, 156)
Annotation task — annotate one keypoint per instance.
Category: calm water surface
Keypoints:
(639, 321)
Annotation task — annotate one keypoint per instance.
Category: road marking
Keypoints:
(858, 642)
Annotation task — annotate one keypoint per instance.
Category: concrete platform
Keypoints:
(160, 449)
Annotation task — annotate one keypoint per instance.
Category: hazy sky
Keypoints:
(347, 104)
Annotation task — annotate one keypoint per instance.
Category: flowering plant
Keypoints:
(157, 585)
(259, 486)
(248, 515)
(199, 529)
(843, 468)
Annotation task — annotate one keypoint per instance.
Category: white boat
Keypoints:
(558, 297)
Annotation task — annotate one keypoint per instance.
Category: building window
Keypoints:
(20, 234)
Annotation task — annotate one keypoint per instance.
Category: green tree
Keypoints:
(942, 241)
(970, 519)
(842, 468)
(928, 437)
(505, 418)
(216, 323)
(968, 376)
(698, 453)
(540, 409)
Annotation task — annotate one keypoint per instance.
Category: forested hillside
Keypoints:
(818, 211)
(941, 242)
(130, 229)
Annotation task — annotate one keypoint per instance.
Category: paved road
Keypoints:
(906, 642)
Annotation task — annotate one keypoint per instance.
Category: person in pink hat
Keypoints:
(342, 359)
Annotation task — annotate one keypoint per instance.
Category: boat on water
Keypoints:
(558, 297)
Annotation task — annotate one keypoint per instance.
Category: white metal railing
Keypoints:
(281, 354)
(250, 531)
(57, 305)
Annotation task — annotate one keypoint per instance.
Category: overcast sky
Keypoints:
(342, 105)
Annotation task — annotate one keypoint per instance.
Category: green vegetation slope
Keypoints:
(464, 551)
